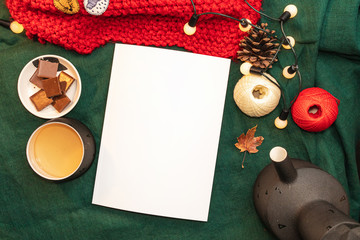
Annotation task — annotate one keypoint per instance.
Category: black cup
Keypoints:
(87, 141)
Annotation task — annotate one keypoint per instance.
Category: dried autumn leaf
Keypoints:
(249, 142)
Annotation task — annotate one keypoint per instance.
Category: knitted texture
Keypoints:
(141, 22)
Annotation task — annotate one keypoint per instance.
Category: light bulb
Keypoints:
(280, 124)
(189, 30)
(190, 27)
(288, 72)
(245, 68)
(245, 25)
(16, 27)
(292, 42)
(292, 9)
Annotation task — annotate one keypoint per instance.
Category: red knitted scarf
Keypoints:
(141, 22)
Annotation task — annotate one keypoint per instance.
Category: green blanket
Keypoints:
(33, 208)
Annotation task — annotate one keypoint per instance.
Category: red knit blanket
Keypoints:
(141, 22)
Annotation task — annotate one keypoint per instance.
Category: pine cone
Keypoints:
(259, 47)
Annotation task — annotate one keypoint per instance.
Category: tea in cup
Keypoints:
(61, 149)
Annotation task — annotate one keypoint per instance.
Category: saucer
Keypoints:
(27, 89)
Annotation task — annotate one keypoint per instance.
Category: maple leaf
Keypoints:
(249, 142)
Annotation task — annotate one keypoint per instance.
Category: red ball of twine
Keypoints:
(315, 109)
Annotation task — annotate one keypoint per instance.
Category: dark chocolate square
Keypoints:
(60, 102)
(47, 69)
(63, 87)
(51, 87)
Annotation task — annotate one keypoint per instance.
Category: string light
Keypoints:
(189, 30)
(287, 42)
(190, 27)
(245, 26)
(281, 121)
(292, 43)
(245, 68)
(289, 72)
(292, 9)
(14, 26)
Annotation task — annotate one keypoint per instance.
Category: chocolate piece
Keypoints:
(60, 102)
(40, 100)
(63, 87)
(47, 69)
(50, 59)
(64, 77)
(37, 81)
(51, 87)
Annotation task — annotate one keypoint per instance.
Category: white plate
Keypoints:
(26, 89)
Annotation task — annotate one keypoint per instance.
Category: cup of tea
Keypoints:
(61, 149)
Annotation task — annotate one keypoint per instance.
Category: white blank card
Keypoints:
(161, 132)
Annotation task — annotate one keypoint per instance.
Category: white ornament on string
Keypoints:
(96, 7)
(256, 96)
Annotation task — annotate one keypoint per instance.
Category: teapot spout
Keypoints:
(283, 165)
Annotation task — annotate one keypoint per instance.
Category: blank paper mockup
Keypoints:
(161, 132)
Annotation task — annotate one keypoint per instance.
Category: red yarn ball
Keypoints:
(315, 109)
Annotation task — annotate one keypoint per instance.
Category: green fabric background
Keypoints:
(33, 208)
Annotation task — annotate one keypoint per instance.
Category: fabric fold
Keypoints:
(341, 28)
